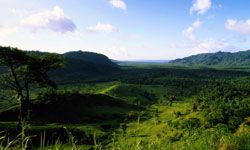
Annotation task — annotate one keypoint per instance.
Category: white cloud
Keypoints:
(6, 30)
(100, 27)
(197, 24)
(210, 45)
(118, 4)
(19, 12)
(239, 27)
(204, 46)
(196, 46)
(189, 32)
(53, 20)
(201, 6)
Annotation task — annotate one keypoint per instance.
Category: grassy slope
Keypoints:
(167, 129)
(129, 93)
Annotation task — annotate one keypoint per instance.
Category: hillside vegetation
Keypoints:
(83, 66)
(94, 58)
(130, 93)
(219, 59)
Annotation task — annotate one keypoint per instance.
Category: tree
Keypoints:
(172, 98)
(21, 71)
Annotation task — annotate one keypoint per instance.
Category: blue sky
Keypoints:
(127, 29)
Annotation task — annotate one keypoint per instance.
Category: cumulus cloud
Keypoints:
(239, 27)
(118, 4)
(189, 32)
(196, 45)
(201, 6)
(210, 45)
(100, 27)
(204, 46)
(54, 20)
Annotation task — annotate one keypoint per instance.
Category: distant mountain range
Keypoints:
(219, 59)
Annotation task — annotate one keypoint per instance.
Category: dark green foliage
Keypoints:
(181, 82)
(74, 108)
(132, 94)
(80, 67)
(219, 59)
(23, 70)
(226, 103)
(85, 67)
(90, 57)
(76, 70)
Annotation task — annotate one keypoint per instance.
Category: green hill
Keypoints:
(220, 59)
(91, 57)
(81, 66)
(85, 66)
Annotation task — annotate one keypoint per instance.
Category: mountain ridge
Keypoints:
(80, 66)
(218, 59)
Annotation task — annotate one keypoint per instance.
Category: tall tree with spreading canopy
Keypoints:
(22, 71)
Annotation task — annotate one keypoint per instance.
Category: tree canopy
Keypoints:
(23, 70)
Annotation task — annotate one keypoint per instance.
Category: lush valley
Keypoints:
(100, 105)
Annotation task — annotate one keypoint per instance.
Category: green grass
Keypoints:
(167, 131)
(131, 93)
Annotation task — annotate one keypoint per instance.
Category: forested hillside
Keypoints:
(90, 57)
(78, 66)
(219, 59)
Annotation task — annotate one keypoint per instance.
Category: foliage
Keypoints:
(23, 71)
(226, 103)
(90, 57)
(130, 93)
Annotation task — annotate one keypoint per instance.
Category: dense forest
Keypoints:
(83, 100)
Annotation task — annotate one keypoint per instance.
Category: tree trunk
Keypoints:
(24, 108)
